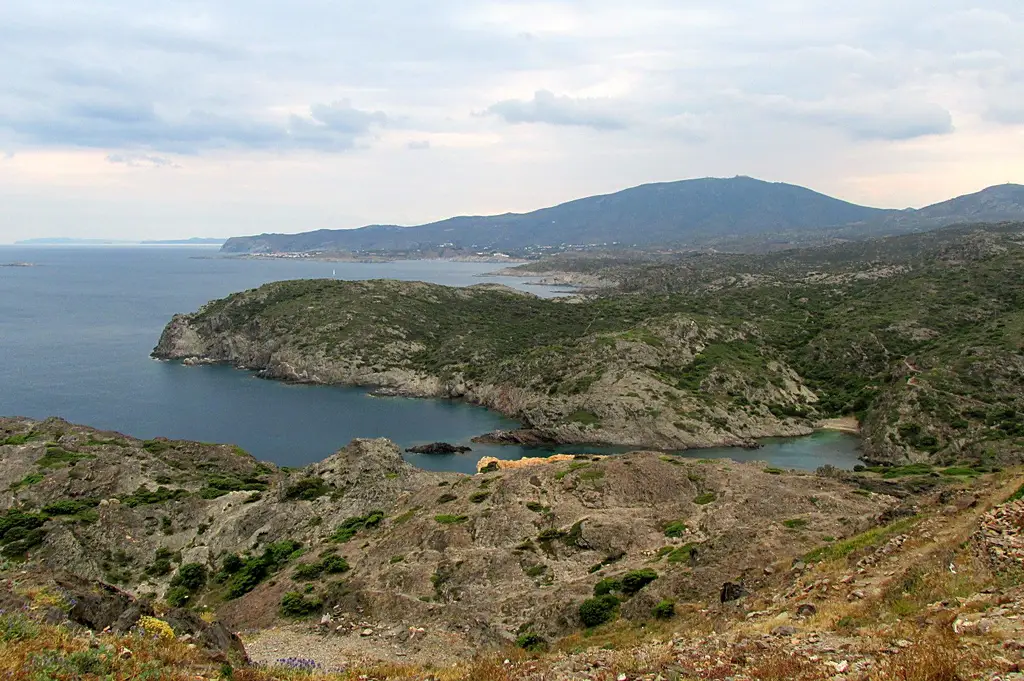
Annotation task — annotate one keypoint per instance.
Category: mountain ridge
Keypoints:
(739, 213)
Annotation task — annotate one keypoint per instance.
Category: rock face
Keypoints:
(439, 448)
(98, 607)
(385, 540)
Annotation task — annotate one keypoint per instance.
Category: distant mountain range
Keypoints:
(68, 241)
(739, 213)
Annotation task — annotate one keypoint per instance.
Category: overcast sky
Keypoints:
(145, 118)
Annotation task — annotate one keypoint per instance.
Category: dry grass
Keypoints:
(931, 659)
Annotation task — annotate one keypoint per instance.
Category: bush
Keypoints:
(705, 498)
(532, 642)
(331, 565)
(598, 610)
(178, 596)
(607, 586)
(637, 579)
(294, 604)
(307, 489)
(675, 529)
(479, 497)
(191, 576)
(70, 506)
(665, 610)
(351, 526)
(256, 569)
(795, 523)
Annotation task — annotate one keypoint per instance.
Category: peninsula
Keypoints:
(689, 351)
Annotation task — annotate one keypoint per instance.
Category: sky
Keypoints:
(156, 119)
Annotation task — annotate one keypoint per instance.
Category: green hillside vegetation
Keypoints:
(919, 336)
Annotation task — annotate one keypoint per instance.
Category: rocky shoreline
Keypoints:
(628, 406)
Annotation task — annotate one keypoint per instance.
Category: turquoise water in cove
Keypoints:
(76, 331)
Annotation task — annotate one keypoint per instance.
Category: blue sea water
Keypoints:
(76, 331)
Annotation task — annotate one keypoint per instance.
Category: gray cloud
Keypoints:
(546, 107)
(885, 118)
(792, 91)
(114, 125)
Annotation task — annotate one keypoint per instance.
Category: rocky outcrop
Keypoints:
(439, 448)
(397, 544)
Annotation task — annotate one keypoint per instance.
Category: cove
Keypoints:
(76, 331)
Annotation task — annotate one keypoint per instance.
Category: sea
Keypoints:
(77, 328)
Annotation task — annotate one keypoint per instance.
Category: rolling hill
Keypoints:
(739, 213)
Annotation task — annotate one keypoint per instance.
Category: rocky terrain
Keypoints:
(635, 566)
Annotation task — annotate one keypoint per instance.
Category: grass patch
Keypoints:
(479, 497)
(27, 481)
(842, 549)
(573, 467)
(450, 519)
(584, 417)
(795, 523)
(705, 498)
(682, 554)
(58, 457)
(675, 529)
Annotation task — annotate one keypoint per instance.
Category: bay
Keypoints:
(76, 330)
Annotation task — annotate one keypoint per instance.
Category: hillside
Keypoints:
(624, 567)
(739, 213)
(918, 336)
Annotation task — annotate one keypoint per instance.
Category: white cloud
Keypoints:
(841, 95)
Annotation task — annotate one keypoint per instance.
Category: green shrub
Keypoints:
(607, 586)
(598, 610)
(331, 565)
(675, 529)
(191, 576)
(350, 527)
(479, 497)
(294, 604)
(69, 506)
(144, 497)
(21, 531)
(637, 579)
(532, 642)
(307, 489)
(258, 568)
(58, 457)
(537, 507)
(449, 519)
(445, 498)
(795, 523)
(178, 596)
(705, 498)
(665, 610)
(774, 471)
